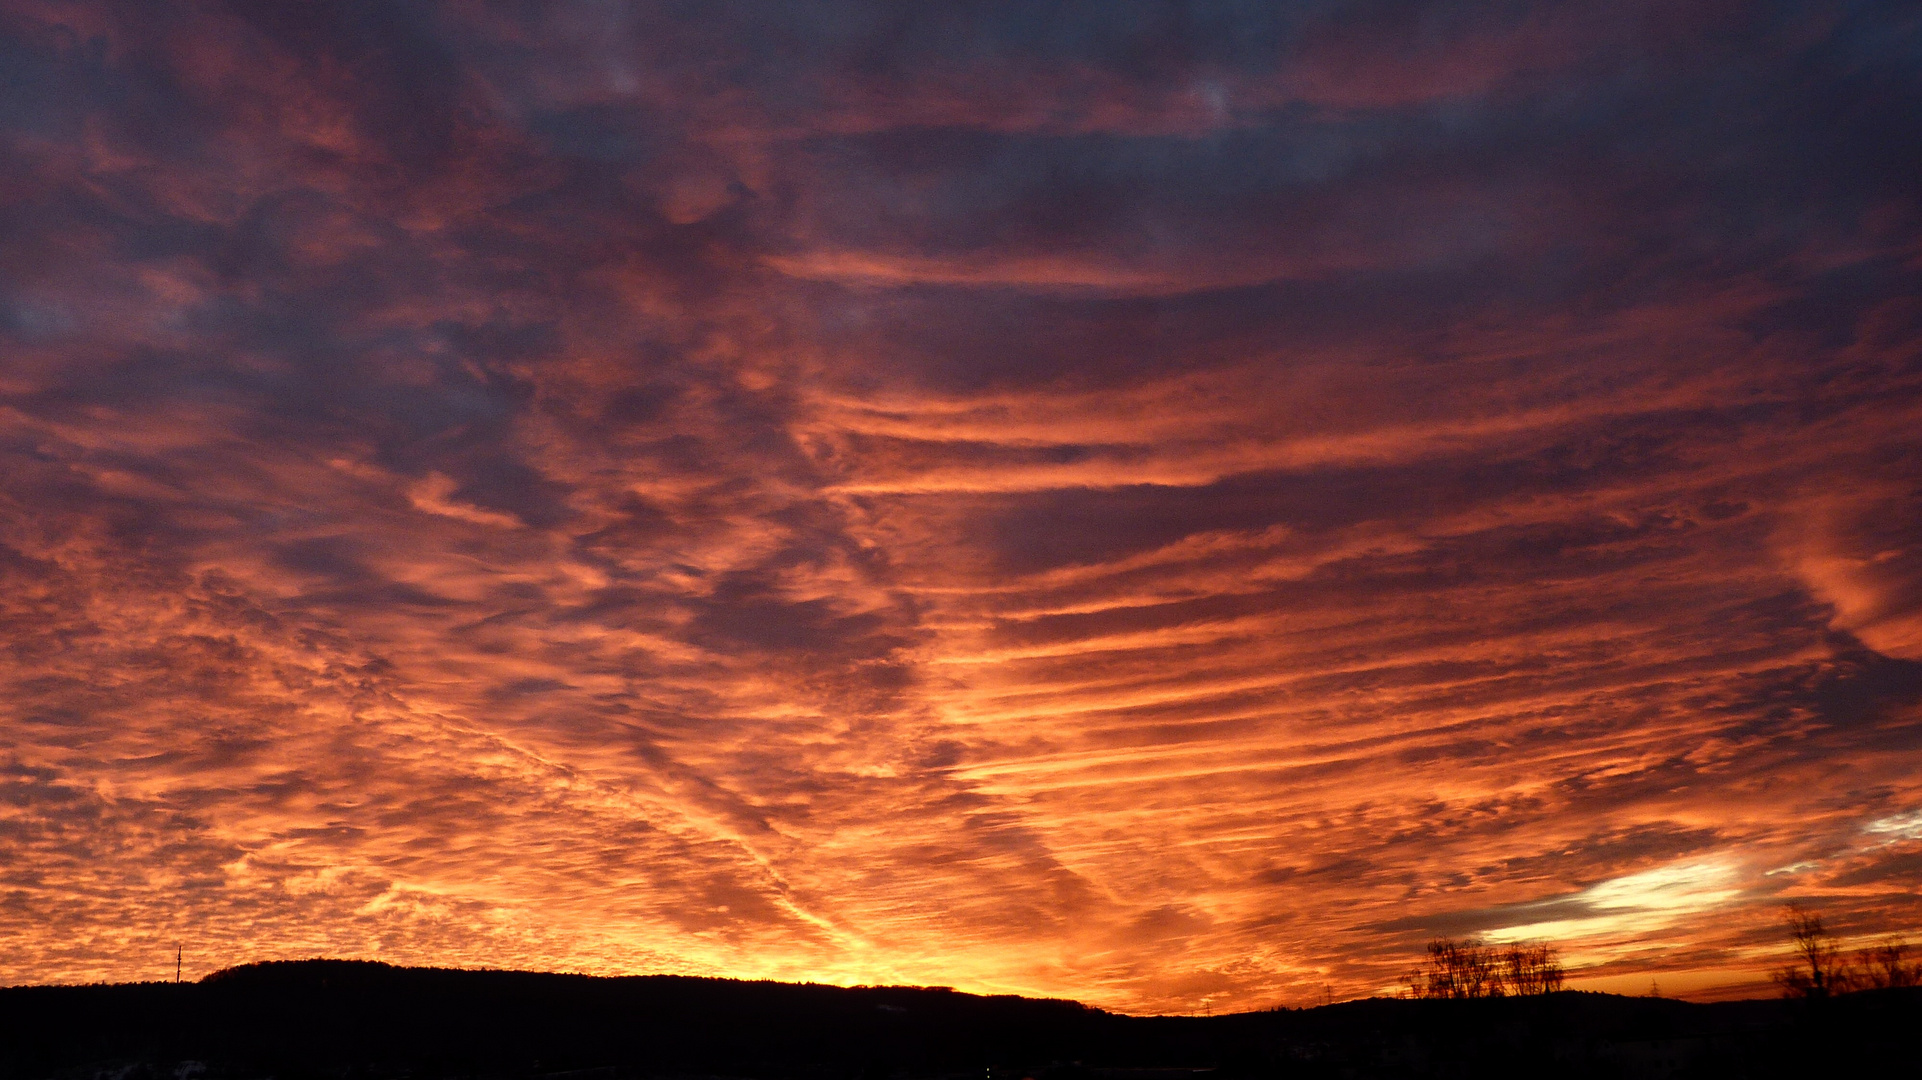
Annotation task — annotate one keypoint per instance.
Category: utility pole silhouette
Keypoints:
(176, 963)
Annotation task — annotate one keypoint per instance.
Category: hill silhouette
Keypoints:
(358, 1020)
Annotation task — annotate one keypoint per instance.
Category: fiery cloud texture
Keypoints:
(1169, 505)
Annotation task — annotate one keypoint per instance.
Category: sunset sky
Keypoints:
(1169, 505)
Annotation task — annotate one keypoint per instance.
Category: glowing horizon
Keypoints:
(1170, 508)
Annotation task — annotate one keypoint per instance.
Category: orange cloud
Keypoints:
(1172, 514)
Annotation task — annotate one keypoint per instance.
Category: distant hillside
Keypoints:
(352, 1020)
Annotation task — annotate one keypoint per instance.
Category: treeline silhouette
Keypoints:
(1472, 969)
(1821, 969)
(346, 1020)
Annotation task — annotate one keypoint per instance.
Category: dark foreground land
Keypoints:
(344, 1020)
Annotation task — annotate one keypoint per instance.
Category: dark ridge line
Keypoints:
(369, 1020)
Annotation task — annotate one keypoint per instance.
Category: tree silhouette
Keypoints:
(1818, 970)
(1531, 969)
(1883, 966)
(1472, 969)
